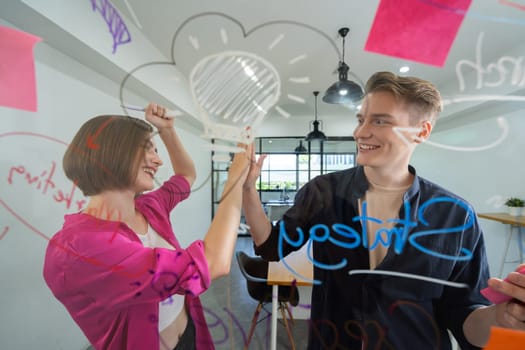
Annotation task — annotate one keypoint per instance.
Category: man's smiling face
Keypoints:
(378, 144)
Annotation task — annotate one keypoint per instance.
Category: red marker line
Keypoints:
(91, 138)
(512, 4)
(5, 232)
(93, 261)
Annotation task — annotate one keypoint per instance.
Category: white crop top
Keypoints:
(171, 307)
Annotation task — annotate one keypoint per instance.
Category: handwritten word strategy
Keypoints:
(116, 25)
(322, 234)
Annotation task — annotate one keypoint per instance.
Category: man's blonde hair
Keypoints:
(421, 96)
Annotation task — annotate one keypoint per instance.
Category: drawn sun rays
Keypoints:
(231, 110)
(238, 77)
(275, 42)
(275, 47)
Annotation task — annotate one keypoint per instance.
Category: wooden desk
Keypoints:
(504, 218)
(513, 222)
(280, 275)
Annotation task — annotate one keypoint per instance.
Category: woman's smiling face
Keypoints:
(147, 168)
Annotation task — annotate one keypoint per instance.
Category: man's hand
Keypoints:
(511, 314)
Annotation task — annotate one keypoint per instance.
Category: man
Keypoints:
(398, 260)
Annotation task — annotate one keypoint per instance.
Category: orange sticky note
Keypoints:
(17, 69)
(505, 339)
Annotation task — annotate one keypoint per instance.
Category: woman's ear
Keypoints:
(424, 132)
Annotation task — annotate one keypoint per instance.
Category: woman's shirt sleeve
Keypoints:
(174, 190)
(116, 271)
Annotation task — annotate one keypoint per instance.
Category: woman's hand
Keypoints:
(255, 170)
(240, 165)
(156, 115)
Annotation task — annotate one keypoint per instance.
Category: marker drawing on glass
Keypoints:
(4, 232)
(408, 275)
(408, 133)
(116, 25)
(321, 233)
(170, 114)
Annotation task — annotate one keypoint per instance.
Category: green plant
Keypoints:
(515, 202)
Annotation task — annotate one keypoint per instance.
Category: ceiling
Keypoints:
(299, 41)
(300, 38)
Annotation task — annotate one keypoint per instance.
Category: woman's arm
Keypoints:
(180, 159)
(219, 242)
(260, 226)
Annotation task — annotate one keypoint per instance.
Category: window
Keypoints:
(284, 172)
(279, 172)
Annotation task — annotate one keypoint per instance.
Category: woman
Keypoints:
(117, 266)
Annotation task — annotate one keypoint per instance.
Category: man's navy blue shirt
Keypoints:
(436, 235)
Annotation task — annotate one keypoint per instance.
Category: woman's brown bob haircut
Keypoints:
(105, 153)
(421, 96)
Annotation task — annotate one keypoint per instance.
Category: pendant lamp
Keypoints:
(343, 91)
(315, 134)
(300, 148)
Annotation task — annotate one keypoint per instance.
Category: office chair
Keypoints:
(255, 270)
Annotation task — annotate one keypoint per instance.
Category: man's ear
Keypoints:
(424, 132)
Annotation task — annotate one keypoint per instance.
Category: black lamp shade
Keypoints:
(343, 92)
(315, 134)
(300, 148)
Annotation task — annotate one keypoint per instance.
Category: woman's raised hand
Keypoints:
(240, 165)
(255, 169)
(156, 115)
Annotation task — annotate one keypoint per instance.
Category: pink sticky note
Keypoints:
(17, 69)
(505, 339)
(416, 30)
(495, 296)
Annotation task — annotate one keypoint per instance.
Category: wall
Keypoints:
(484, 178)
(68, 94)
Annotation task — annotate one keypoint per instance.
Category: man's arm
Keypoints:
(477, 325)
(510, 314)
(260, 226)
